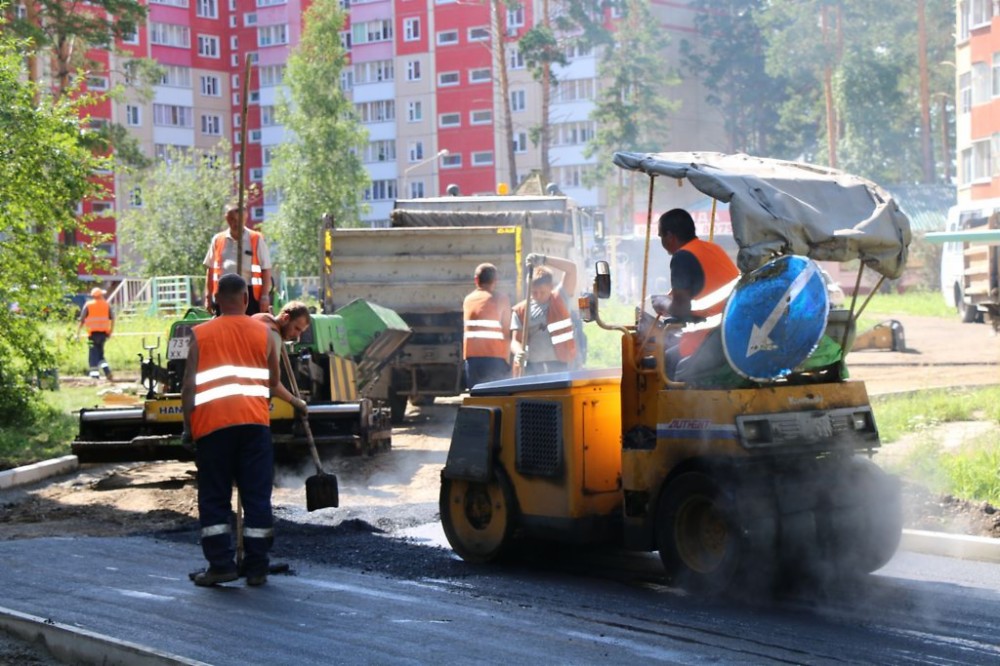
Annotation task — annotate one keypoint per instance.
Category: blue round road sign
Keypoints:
(775, 317)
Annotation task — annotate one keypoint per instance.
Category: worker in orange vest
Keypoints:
(289, 324)
(486, 342)
(546, 343)
(99, 319)
(221, 260)
(702, 276)
(230, 375)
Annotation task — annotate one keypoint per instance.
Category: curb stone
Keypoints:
(73, 645)
(959, 546)
(26, 474)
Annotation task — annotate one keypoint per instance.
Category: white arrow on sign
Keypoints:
(760, 336)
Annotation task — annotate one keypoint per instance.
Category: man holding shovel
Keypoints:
(291, 322)
(542, 324)
(231, 372)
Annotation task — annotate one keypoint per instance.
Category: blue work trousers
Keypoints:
(479, 369)
(243, 454)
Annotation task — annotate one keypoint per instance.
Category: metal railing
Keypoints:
(170, 295)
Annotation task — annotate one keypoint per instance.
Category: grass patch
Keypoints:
(921, 303)
(897, 415)
(121, 351)
(47, 434)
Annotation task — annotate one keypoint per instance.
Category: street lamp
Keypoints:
(407, 170)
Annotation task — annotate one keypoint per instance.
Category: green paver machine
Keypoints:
(337, 363)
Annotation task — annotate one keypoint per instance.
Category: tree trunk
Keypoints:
(925, 96)
(546, 100)
(500, 55)
(831, 118)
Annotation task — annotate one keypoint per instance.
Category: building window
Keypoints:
(380, 151)
(379, 111)
(450, 120)
(132, 37)
(254, 136)
(234, 42)
(267, 118)
(517, 102)
(176, 76)
(411, 29)
(102, 208)
(413, 70)
(980, 83)
(416, 151)
(208, 46)
(169, 115)
(250, 19)
(372, 31)
(515, 59)
(257, 213)
(451, 161)
(448, 79)
(210, 86)
(417, 189)
(345, 40)
(267, 155)
(269, 3)
(521, 142)
(480, 75)
(208, 9)
(572, 90)
(375, 71)
(133, 115)
(414, 112)
(168, 34)
(982, 12)
(272, 35)
(572, 134)
(483, 158)
(97, 83)
(981, 163)
(965, 92)
(135, 197)
(996, 75)
(381, 190)
(347, 80)
(447, 37)
(478, 34)
(515, 17)
(211, 125)
(481, 117)
(272, 75)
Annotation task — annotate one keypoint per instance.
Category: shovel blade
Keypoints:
(322, 492)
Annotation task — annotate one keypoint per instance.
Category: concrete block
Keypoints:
(26, 474)
(959, 546)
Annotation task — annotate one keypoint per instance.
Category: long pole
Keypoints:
(243, 170)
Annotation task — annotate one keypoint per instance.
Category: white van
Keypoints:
(961, 218)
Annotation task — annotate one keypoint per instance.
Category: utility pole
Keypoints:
(546, 101)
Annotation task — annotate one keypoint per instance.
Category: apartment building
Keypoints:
(422, 75)
(977, 77)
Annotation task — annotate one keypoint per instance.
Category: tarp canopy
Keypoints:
(779, 207)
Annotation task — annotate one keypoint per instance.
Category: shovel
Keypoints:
(321, 488)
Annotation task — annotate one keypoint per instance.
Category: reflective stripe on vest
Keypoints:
(484, 335)
(232, 377)
(98, 316)
(256, 273)
(559, 327)
(721, 277)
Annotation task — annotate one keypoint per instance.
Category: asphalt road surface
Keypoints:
(595, 607)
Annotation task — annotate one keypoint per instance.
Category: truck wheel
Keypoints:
(697, 534)
(968, 313)
(477, 517)
(397, 407)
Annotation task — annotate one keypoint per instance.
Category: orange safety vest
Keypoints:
(560, 327)
(256, 273)
(98, 316)
(485, 336)
(721, 275)
(232, 380)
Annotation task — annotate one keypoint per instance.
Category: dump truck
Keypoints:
(757, 469)
(337, 363)
(970, 260)
(422, 267)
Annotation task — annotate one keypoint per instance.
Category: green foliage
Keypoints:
(541, 50)
(183, 197)
(974, 472)
(319, 170)
(728, 57)
(45, 171)
(44, 433)
(920, 303)
(632, 106)
(604, 348)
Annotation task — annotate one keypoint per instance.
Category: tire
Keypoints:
(397, 407)
(478, 518)
(698, 535)
(967, 313)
